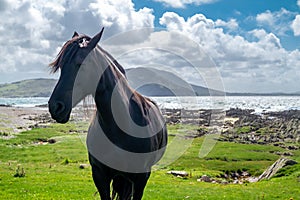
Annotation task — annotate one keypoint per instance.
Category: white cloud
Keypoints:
(55, 7)
(265, 38)
(31, 30)
(296, 25)
(298, 3)
(277, 21)
(266, 17)
(242, 63)
(183, 3)
(231, 24)
(120, 15)
(24, 31)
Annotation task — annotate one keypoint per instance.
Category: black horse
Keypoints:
(128, 134)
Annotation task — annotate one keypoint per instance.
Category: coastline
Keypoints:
(281, 128)
(18, 119)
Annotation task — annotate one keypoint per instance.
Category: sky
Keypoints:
(254, 45)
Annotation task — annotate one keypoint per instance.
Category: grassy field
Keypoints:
(30, 169)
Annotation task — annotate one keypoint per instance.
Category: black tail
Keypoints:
(122, 188)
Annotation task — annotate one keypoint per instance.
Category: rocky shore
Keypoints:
(277, 128)
(236, 125)
(243, 126)
(14, 119)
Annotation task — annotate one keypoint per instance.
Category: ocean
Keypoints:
(258, 103)
(24, 102)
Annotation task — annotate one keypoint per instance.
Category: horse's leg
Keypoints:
(101, 177)
(139, 185)
(102, 182)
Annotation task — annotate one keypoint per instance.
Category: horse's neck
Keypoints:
(112, 92)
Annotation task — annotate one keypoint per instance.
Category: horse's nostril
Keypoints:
(57, 107)
(60, 107)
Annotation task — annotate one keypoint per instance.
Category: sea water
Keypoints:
(24, 102)
(258, 103)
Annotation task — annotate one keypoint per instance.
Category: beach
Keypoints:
(235, 125)
(18, 119)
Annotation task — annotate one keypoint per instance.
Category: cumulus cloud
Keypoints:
(231, 24)
(296, 25)
(183, 3)
(121, 16)
(266, 17)
(242, 63)
(31, 30)
(25, 37)
(275, 21)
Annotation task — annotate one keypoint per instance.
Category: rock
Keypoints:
(245, 174)
(205, 178)
(5, 105)
(237, 112)
(83, 166)
(224, 182)
(275, 167)
(51, 141)
(42, 106)
(293, 148)
(252, 179)
(290, 162)
(235, 175)
(288, 154)
(178, 173)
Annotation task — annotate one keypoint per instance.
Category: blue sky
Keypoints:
(244, 12)
(255, 44)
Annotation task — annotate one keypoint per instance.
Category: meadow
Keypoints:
(32, 168)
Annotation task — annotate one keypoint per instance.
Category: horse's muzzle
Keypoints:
(58, 111)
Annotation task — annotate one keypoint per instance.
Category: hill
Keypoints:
(160, 90)
(147, 81)
(162, 83)
(28, 88)
(154, 82)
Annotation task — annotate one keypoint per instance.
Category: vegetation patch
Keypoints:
(20, 172)
(54, 172)
(243, 129)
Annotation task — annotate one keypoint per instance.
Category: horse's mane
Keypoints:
(114, 61)
(120, 71)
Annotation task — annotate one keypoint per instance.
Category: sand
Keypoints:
(17, 119)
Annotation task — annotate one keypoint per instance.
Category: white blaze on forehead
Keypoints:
(84, 42)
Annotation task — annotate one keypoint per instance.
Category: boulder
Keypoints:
(205, 178)
(178, 173)
(275, 167)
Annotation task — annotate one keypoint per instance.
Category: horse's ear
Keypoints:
(94, 41)
(75, 34)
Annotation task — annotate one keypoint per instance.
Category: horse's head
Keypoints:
(76, 75)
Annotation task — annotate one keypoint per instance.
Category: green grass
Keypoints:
(243, 129)
(51, 171)
(227, 156)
